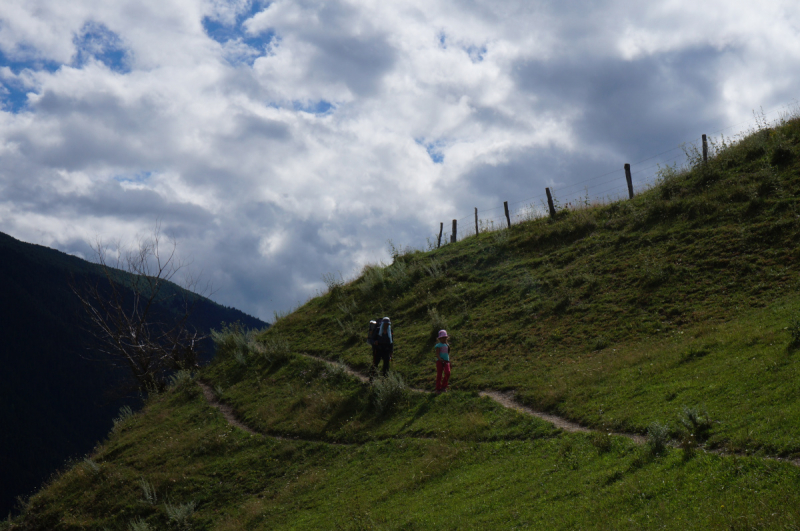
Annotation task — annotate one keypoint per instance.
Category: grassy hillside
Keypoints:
(615, 315)
(678, 308)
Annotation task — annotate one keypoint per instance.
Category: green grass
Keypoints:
(184, 448)
(617, 316)
(595, 310)
(301, 397)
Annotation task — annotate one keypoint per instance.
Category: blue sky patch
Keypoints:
(30, 63)
(13, 93)
(13, 96)
(136, 178)
(434, 149)
(313, 107)
(224, 33)
(476, 53)
(98, 42)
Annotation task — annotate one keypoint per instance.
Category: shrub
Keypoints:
(236, 342)
(437, 321)
(125, 412)
(240, 357)
(91, 466)
(697, 423)
(399, 274)
(434, 268)
(179, 514)
(148, 491)
(657, 437)
(276, 349)
(338, 371)
(138, 525)
(333, 283)
(372, 276)
(387, 391)
(180, 377)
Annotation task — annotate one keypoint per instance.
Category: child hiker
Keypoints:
(442, 362)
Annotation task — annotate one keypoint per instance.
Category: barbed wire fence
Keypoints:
(606, 188)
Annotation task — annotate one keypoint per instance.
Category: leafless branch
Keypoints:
(138, 319)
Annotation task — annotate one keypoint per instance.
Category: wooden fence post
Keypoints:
(550, 203)
(455, 230)
(630, 182)
(441, 228)
(476, 221)
(705, 149)
(508, 218)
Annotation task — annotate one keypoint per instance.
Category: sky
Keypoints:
(280, 142)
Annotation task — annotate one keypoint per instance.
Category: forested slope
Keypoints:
(58, 397)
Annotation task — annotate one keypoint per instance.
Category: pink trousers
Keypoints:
(442, 374)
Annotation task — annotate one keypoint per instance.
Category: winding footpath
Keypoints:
(505, 399)
(226, 410)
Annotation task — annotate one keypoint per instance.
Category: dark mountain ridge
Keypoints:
(57, 396)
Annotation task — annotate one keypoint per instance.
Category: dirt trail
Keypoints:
(226, 410)
(230, 416)
(505, 399)
(356, 374)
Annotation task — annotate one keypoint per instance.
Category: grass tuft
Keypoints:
(433, 268)
(139, 525)
(125, 412)
(148, 491)
(387, 391)
(697, 423)
(233, 341)
(91, 466)
(180, 378)
(657, 438)
(437, 320)
(333, 282)
(179, 514)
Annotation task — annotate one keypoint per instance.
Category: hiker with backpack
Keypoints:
(442, 362)
(382, 341)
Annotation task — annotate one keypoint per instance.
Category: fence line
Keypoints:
(645, 179)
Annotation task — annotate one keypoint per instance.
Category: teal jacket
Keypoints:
(444, 352)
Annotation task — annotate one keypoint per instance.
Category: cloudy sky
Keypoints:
(281, 141)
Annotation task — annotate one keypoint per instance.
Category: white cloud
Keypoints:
(282, 141)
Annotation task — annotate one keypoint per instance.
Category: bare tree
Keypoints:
(139, 319)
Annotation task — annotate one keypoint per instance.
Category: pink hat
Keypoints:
(442, 333)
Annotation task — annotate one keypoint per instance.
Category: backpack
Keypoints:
(385, 339)
(372, 335)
